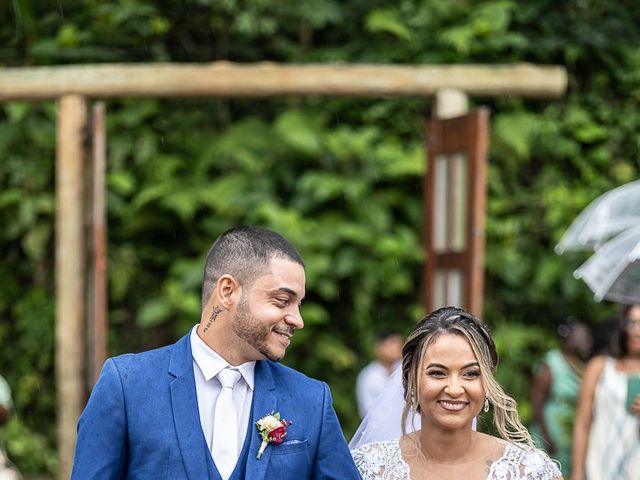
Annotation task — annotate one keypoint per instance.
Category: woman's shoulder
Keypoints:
(598, 362)
(530, 462)
(595, 367)
(377, 459)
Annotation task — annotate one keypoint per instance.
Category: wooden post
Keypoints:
(70, 274)
(450, 103)
(97, 274)
(454, 211)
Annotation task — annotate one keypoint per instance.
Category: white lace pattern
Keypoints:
(383, 461)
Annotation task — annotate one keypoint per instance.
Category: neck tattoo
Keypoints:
(212, 318)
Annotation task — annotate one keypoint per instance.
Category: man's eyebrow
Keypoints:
(286, 290)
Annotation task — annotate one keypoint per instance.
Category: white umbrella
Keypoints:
(613, 271)
(605, 217)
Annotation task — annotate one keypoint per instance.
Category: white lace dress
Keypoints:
(383, 461)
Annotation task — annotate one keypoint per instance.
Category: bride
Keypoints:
(446, 380)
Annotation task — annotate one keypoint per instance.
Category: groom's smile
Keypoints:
(283, 334)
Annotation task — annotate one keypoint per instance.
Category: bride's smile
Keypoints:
(453, 406)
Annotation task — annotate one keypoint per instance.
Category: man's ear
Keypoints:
(228, 290)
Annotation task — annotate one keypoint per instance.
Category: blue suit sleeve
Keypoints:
(101, 447)
(333, 459)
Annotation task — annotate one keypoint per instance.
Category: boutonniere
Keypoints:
(272, 430)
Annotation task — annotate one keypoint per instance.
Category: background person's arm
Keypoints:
(584, 416)
(635, 406)
(539, 396)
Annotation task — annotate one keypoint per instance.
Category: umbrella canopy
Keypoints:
(605, 217)
(613, 271)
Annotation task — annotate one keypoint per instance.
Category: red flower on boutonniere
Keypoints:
(272, 430)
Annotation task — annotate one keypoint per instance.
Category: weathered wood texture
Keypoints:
(97, 222)
(70, 274)
(224, 79)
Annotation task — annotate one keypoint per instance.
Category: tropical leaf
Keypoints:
(387, 20)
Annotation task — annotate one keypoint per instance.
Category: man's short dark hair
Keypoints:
(245, 252)
(386, 335)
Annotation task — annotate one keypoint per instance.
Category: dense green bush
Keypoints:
(340, 177)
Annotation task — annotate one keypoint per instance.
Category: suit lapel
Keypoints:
(264, 402)
(184, 402)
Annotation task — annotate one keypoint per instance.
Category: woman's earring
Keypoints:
(486, 404)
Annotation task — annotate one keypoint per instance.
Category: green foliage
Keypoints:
(341, 177)
(22, 441)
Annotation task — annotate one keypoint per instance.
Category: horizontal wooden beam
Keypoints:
(224, 79)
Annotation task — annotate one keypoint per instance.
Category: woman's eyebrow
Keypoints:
(439, 365)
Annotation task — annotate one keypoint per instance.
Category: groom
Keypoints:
(190, 410)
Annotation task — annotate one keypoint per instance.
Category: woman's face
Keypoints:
(579, 341)
(450, 386)
(633, 330)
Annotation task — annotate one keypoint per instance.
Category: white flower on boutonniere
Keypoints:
(272, 430)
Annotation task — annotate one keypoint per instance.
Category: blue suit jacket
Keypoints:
(142, 422)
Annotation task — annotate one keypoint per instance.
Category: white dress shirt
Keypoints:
(206, 365)
(370, 382)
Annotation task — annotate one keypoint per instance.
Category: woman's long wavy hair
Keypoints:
(456, 321)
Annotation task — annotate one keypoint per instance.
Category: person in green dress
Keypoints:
(555, 393)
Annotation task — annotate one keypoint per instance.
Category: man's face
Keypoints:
(269, 311)
(389, 350)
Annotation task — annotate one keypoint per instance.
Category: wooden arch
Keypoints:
(74, 86)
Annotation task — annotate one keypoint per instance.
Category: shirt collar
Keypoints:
(211, 363)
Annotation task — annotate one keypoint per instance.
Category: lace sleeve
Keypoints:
(380, 460)
(521, 462)
(535, 464)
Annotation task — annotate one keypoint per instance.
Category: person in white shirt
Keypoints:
(7, 470)
(371, 379)
(5, 401)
